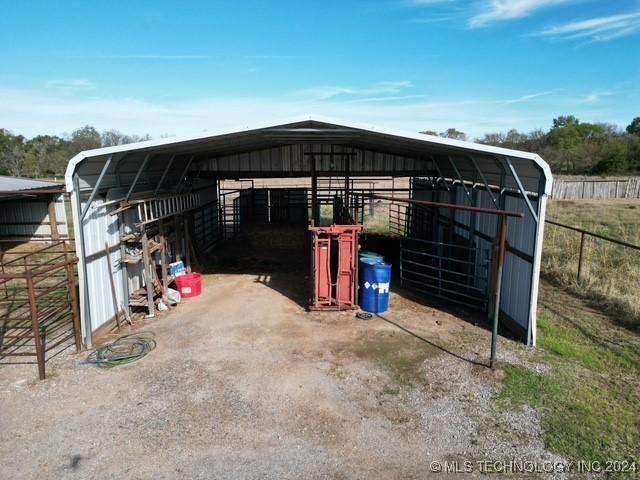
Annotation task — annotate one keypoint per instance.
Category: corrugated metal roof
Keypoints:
(309, 129)
(16, 184)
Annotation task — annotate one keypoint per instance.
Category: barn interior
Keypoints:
(264, 200)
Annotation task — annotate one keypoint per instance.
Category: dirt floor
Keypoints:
(244, 383)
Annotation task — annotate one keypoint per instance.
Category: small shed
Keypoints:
(31, 210)
(39, 315)
(118, 188)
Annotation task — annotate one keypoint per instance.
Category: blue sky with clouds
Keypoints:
(181, 67)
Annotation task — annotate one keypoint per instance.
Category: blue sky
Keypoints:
(164, 67)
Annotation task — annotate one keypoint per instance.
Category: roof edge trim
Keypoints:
(429, 139)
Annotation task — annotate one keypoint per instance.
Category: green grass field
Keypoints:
(589, 395)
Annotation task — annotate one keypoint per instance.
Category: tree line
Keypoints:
(48, 155)
(569, 146)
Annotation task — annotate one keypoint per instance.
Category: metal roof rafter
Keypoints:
(523, 192)
(186, 169)
(135, 180)
(94, 192)
(164, 174)
(484, 180)
(455, 168)
(441, 176)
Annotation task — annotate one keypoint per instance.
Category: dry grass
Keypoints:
(610, 273)
(379, 221)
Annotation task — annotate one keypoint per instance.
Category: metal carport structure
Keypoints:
(450, 171)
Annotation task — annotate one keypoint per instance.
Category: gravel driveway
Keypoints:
(245, 383)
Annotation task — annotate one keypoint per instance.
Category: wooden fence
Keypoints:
(571, 189)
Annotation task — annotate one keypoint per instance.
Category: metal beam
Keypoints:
(197, 176)
(135, 180)
(502, 241)
(164, 174)
(315, 212)
(186, 169)
(94, 192)
(435, 164)
(535, 264)
(484, 180)
(455, 168)
(86, 310)
(347, 180)
(521, 188)
(453, 206)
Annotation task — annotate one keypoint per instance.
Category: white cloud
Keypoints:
(183, 57)
(78, 83)
(385, 99)
(500, 10)
(379, 88)
(147, 57)
(271, 57)
(598, 29)
(433, 19)
(531, 96)
(595, 97)
(69, 87)
(419, 3)
(32, 112)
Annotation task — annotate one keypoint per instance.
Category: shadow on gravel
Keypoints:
(430, 343)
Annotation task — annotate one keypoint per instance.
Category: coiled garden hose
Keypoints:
(124, 350)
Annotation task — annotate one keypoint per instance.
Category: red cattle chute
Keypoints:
(334, 253)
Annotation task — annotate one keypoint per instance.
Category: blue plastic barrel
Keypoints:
(375, 277)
